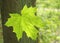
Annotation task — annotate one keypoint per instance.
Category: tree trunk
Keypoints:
(14, 6)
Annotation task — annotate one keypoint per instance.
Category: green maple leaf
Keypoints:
(25, 22)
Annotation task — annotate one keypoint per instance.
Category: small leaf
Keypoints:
(25, 23)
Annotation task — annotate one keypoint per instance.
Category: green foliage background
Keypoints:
(49, 12)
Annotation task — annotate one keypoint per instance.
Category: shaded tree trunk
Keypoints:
(14, 6)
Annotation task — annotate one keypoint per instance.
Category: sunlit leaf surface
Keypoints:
(25, 22)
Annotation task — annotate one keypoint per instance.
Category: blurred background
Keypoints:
(49, 12)
(1, 32)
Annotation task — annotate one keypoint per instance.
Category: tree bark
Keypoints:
(14, 6)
